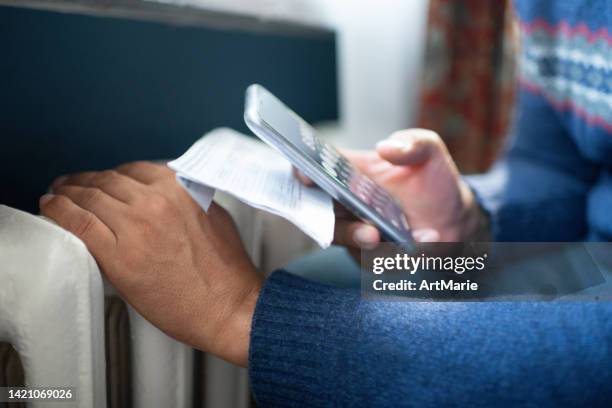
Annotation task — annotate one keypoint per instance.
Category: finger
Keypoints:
(145, 172)
(98, 238)
(115, 184)
(356, 234)
(426, 235)
(303, 178)
(341, 211)
(361, 159)
(77, 178)
(58, 181)
(410, 147)
(108, 209)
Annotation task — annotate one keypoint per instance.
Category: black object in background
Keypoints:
(85, 93)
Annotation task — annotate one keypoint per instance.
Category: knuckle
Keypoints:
(83, 224)
(91, 195)
(128, 167)
(141, 202)
(104, 178)
(159, 205)
(139, 164)
(144, 230)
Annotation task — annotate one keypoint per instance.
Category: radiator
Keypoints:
(52, 306)
(62, 325)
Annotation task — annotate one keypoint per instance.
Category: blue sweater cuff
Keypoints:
(298, 333)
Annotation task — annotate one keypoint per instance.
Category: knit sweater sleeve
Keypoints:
(317, 346)
(538, 191)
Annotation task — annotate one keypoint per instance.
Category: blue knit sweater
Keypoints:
(313, 345)
(555, 183)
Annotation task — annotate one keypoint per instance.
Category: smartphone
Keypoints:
(297, 141)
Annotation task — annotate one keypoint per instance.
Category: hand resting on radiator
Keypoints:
(184, 270)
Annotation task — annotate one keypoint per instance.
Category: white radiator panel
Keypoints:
(52, 306)
(162, 368)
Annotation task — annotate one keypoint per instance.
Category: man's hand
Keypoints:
(416, 168)
(184, 270)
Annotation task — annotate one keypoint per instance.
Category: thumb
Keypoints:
(410, 147)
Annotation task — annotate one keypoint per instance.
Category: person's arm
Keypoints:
(313, 345)
(538, 191)
(187, 273)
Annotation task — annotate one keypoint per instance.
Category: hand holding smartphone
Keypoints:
(296, 140)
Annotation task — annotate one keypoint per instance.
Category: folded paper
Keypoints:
(257, 175)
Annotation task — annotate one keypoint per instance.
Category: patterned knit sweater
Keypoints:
(555, 183)
(317, 346)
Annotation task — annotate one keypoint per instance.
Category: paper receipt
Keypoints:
(257, 175)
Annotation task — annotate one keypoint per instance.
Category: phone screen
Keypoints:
(328, 160)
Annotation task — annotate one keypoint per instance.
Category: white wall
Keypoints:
(380, 56)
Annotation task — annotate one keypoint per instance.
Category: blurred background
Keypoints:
(84, 92)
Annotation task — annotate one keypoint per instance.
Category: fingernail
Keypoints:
(426, 235)
(401, 145)
(45, 199)
(58, 181)
(366, 237)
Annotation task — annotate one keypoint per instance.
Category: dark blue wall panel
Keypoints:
(81, 92)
